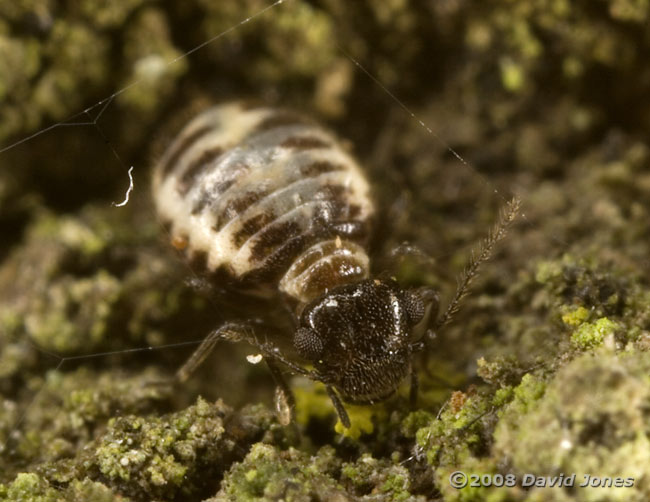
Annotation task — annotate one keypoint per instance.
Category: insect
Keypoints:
(269, 202)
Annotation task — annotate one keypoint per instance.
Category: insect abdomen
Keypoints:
(267, 195)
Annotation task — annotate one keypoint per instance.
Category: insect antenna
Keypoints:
(478, 257)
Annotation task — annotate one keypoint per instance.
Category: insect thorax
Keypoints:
(267, 196)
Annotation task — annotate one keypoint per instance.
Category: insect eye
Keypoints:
(308, 343)
(415, 307)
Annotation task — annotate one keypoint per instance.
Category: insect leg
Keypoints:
(431, 301)
(271, 352)
(285, 401)
(230, 331)
(338, 406)
(312, 375)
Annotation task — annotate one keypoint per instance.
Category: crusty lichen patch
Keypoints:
(590, 420)
(29, 487)
(70, 409)
(183, 454)
(158, 457)
(268, 474)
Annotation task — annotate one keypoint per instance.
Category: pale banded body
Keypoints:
(267, 196)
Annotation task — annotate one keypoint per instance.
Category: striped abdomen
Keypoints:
(269, 197)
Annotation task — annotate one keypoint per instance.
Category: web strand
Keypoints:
(440, 141)
(104, 103)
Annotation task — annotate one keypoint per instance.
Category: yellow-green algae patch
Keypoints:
(312, 402)
(576, 316)
(361, 420)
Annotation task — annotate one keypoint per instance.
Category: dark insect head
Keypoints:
(360, 337)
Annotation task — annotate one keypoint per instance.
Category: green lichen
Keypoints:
(512, 76)
(593, 422)
(107, 15)
(502, 370)
(181, 454)
(629, 10)
(72, 289)
(268, 474)
(503, 396)
(290, 52)
(299, 44)
(71, 407)
(50, 325)
(456, 434)
(591, 335)
(458, 438)
(376, 478)
(414, 421)
(522, 27)
(527, 393)
(32, 488)
(585, 281)
(396, 486)
(149, 53)
(50, 74)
